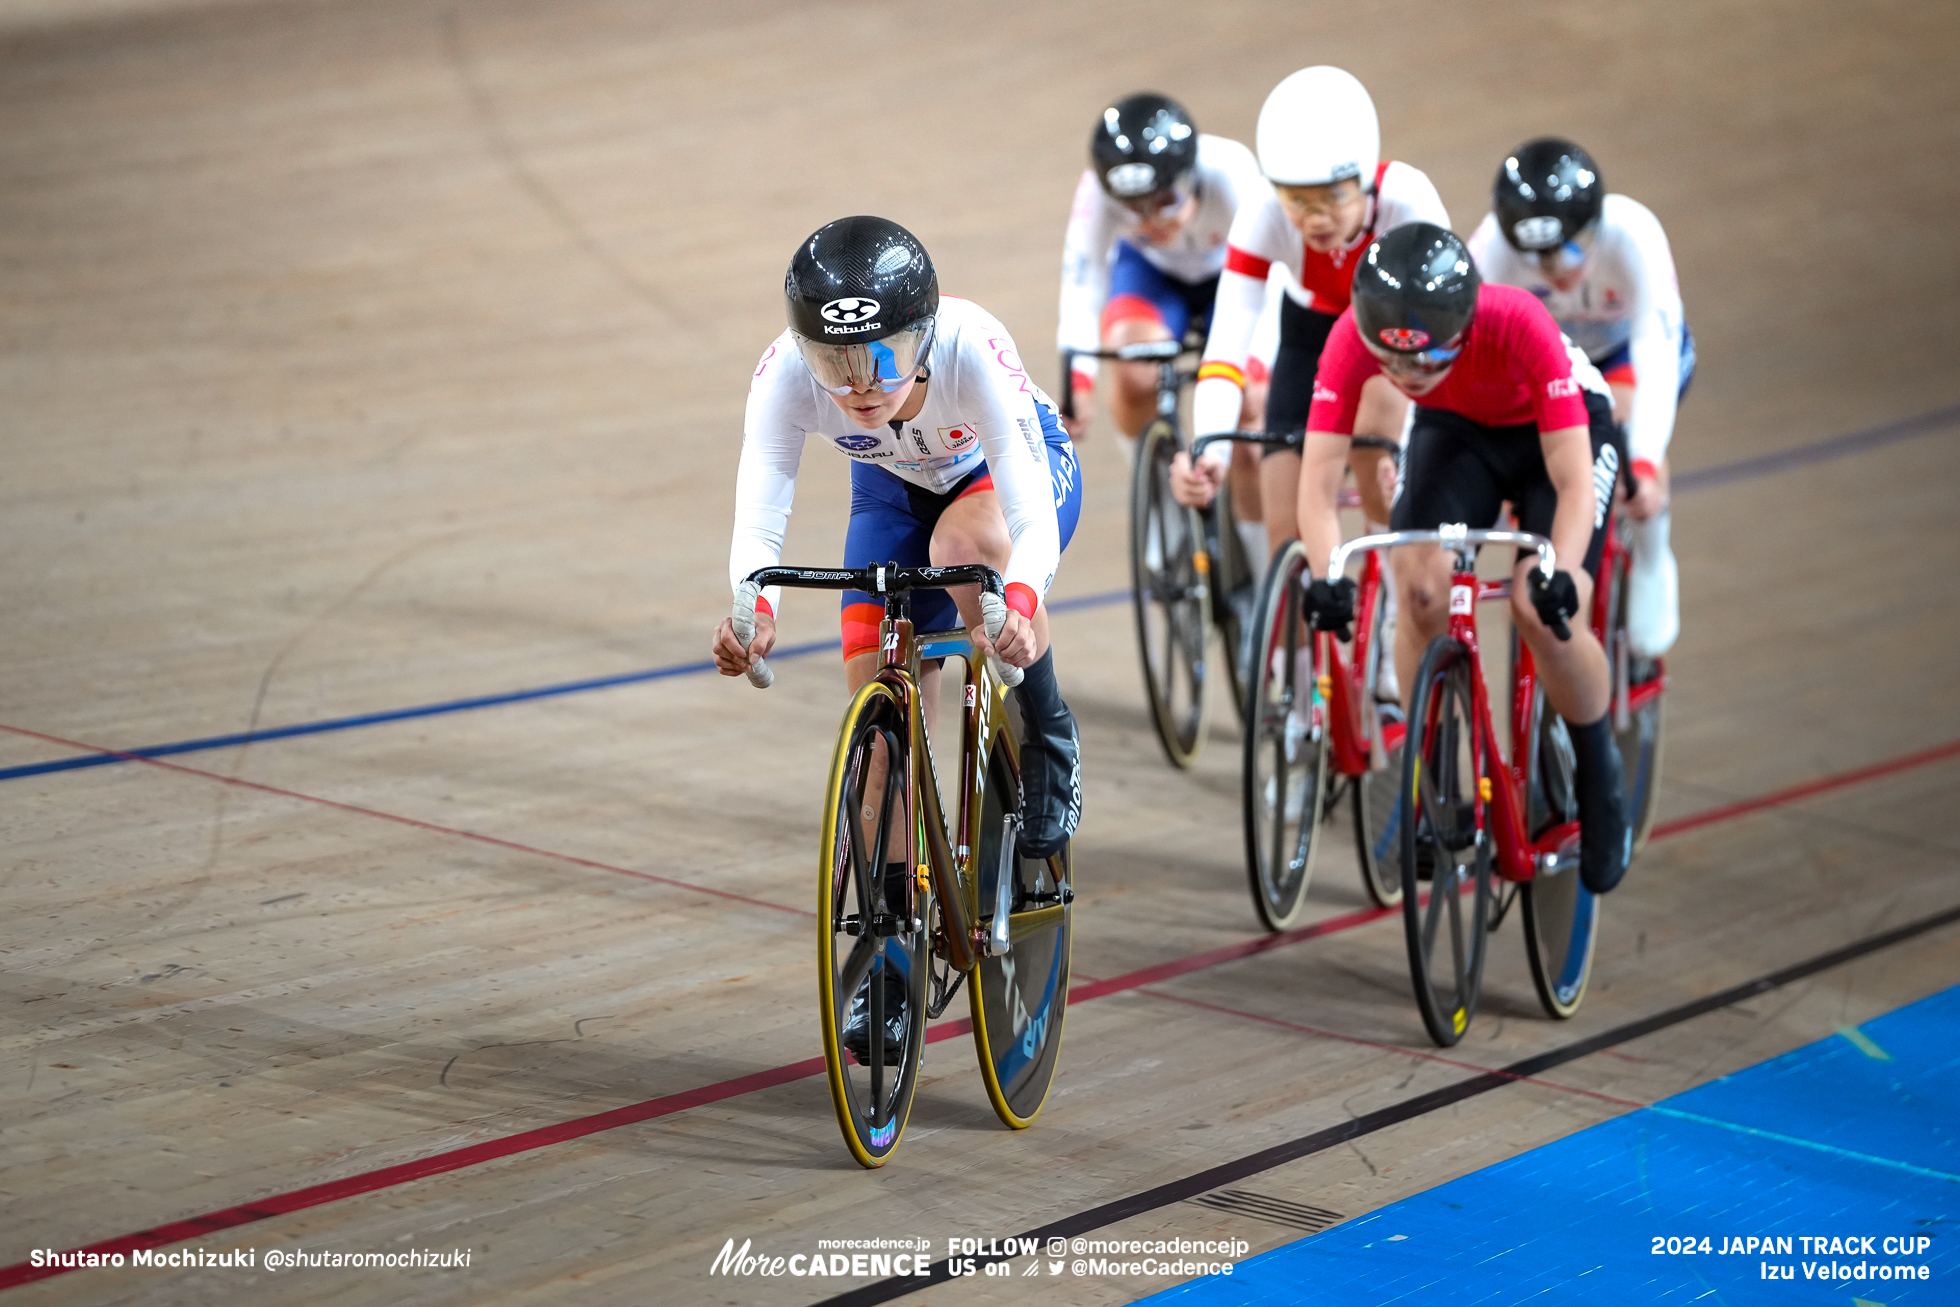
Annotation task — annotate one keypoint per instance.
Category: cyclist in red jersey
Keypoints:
(1507, 410)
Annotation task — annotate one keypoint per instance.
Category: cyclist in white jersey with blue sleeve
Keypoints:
(1601, 263)
(956, 457)
(1145, 246)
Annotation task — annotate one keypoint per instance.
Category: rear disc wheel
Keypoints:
(1020, 995)
(1561, 916)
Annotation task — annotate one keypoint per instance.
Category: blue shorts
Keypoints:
(892, 521)
(1621, 361)
(1138, 288)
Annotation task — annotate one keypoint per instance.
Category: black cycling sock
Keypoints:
(1594, 752)
(1604, 840)
(1041, 699)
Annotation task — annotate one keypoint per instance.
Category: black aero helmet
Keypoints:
(862, 296)
(1415, 290)
(1144, 145)
(1547, 192)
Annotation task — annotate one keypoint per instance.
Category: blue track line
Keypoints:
(1743, 469)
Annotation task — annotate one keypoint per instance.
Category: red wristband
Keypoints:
(1645, 471)
(762, 606)
(1022, 599)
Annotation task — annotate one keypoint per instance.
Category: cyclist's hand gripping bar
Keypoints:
(882, 580)
(993, 611)
(744, 621)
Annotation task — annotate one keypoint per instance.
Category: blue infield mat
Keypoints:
(1843, 1155)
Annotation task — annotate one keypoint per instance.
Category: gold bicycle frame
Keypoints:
(953, 872)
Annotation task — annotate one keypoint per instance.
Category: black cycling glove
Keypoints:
(1330, 607)
(1555, 600)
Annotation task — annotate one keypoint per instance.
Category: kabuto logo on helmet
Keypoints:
(1127, 179)
(1403, 338)
(1540, 233)
(850, 310)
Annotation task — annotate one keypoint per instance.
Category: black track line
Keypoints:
(1225, 1173)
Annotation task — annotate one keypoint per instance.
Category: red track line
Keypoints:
(389, 1176)
(1777, 798)
(491, 840)
(545, 1136)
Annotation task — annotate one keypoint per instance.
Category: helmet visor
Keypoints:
(843, 367)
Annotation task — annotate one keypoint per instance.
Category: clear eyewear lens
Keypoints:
(1327, 203)
(886, 364)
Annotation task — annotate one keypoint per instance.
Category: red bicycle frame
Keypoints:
(1343, 690)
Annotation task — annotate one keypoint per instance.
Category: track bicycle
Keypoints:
(1188, 570)
(1472, 813)
(964, 901)
(1316, 731)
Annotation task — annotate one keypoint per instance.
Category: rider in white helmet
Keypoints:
(1319, 146)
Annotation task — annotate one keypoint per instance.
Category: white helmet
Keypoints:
(1318, 127)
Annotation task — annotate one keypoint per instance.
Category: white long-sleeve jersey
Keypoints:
(1263, 236)
(1227, 179)
(1628, 296)
(980, 404)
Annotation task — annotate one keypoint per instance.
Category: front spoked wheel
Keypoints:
(1284, 777)
(1169, 587)
(1561, 916)
(1021, 994)
(1443, 851)
(871, 940)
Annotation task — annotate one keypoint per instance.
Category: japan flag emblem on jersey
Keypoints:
(1403, 337)
(958, 437)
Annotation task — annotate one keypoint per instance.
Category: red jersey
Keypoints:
(1515, 368)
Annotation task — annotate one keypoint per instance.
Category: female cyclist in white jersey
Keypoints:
(957, 457)
(1602, 265)
(1141, 262)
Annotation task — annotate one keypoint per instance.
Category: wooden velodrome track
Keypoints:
(360, 356)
